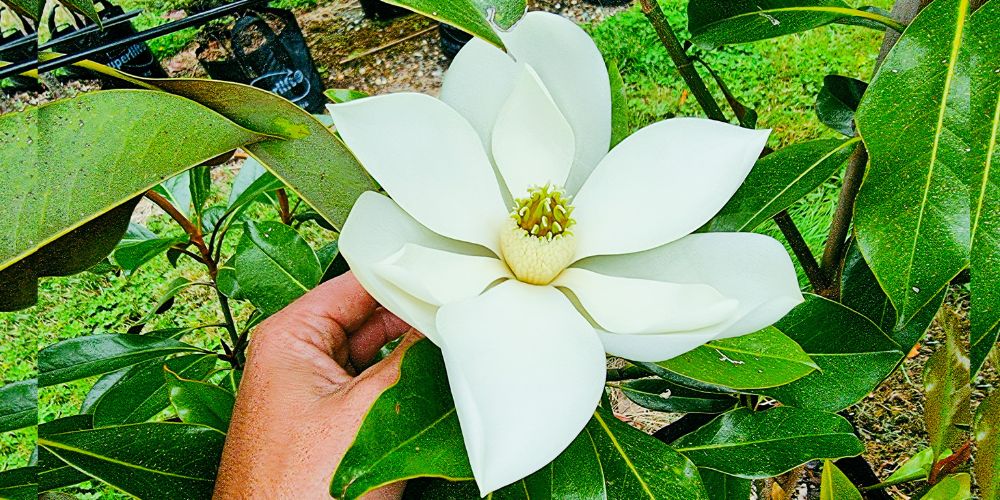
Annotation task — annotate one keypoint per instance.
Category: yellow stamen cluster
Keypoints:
(544, 213)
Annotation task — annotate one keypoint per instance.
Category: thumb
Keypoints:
(372, 382)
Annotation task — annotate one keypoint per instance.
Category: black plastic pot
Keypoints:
(452, 39)
(265, 48)
(381, 11)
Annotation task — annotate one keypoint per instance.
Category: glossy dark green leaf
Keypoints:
(102, 385)
(226, 282)
(780, 179)
(834, 484)
(866, 22)
(721, 22)
(69, 164)
(620, 128)
(252, 181)
(147, 460)
(85, 7)
(663, 395)
(199, 402)
(143, 393)
(200, 186)
(19, 484)
(760, 444)
(54, 473)
(838, 100)
(984, 124)
(947, 387)
(169, 292)
(471, 16)
(83, 357)
(912, 213)
(986, 431)
(274, 265)
(140, 245)
(177, 190)
(311, 160)
(916, 467)
(210, 218)
(767, 358)
(18, 405)
(31, 9)
(853, 354)
(953, 487)
(723, 486)
(343, 95)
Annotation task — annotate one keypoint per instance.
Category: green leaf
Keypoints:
(140, 245)
(274, 265)
(912, 212)
(953, 487)
(225, 280)
(250, 183)
(470, 16)
(835, 485)
(723, 486)
(916, 467)
(620, 128)
(343, 95)
(54, 473)
(838, 100)
(986, 431)
(142, 393)
(18, 405)
(200, 186)
(177, 190)
(28, 8)
(19, 484)
(663, 395)
(861, 292)
(313, 161)
(984, 124)
(172, 289)
(755, 445)
(767, 358)
(947, 387)
(97, 179)
(83, 357)
(210, 218)
(85, 7)
(721, 22)
(107, 381)
(147, 460)
(780, 179)
(852, 353)
(200, 402)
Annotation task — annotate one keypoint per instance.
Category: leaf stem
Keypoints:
(283, 208)
(681, 60)
(879, 18)
(800, 248)
(193, 231)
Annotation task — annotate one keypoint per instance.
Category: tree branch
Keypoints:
(681, 60)
(800, 248)
(836, 241)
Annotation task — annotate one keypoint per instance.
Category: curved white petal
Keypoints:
(661, 183)
(477, 83)
(653, 348)
(752, 268)
(429, 159)
(440, 277)
(532, 142)
(526, 371)
(572, 69)
(637, 306)
(376, 229)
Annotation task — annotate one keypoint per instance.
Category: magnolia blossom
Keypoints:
(523, 248)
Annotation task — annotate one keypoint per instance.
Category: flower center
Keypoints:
(538, 244)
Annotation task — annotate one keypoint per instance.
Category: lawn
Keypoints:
(779, 78)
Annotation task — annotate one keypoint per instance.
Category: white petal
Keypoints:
(752, 268)
(637, 306)
(477, 83)
(532, 142)
(572, 69)
(526, 371)
(429, 159)
(440, 277)
(661, 183)
(653, 348)
(376, 229)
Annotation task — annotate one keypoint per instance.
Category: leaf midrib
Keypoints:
(715, 446)
(625, 457)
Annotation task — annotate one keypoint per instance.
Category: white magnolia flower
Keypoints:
(525, 250)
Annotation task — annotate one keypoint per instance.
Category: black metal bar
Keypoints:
(90, 28)
(156, 32)
(28, 39)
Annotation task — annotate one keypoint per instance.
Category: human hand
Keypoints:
(304, 394)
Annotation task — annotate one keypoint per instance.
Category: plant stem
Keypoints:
(836, 241)
(800, 248)
(227, 314)
(193, 231)
(285, 211)
(681, 60)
